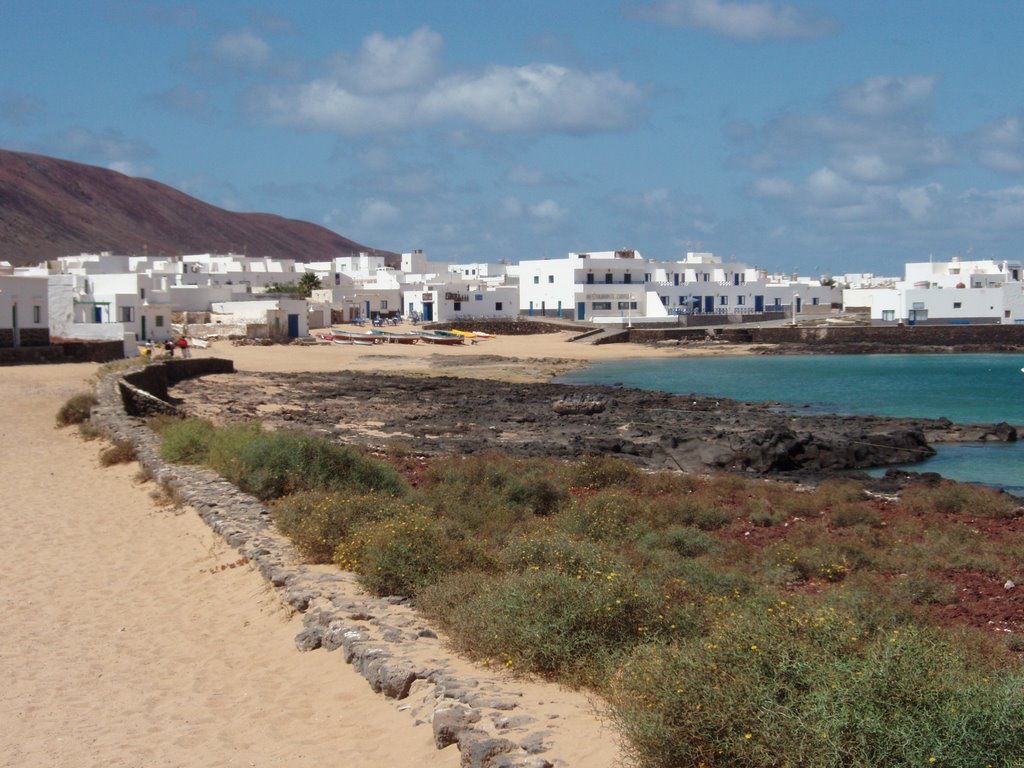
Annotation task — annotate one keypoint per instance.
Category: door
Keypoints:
(759, 303)
(581, 310)
(428, 311)
(97, 314)
(293, 326)
(143, 321)
(709, 305)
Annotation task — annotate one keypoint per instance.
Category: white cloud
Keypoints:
(738, 20)
(242, 49)
(772, 188)
(376, 213)
(548, 210)
(399, 94)
(109, 148)
(918, 202)
(534, 97)
(510, 208)
(526, 177)
(886, 95)
(386, 65)
(1000, 145)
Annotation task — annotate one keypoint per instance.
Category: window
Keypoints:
(814, 301)
(707, 277)
(723, 301)
(536, 279)
(127, 314)
(957, 304)
(457, 306)
(159, 321)
(888, 315)
(741, 300)
(37, 314)
(478, 297)
(608, 277)
(497, 306)
(627, 278)
(142, 293)
(551, 278)
(664, 301)
(384, 304)
(627, 305)
(590, 278)
(599, 305)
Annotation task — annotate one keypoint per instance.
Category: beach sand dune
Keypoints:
(127, 640)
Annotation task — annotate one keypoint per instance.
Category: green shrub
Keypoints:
(400, 555)
(274, 464)
(960, 499)
(608, 515)
(76, 409)
(923, 589)
(846, 514)
(318, 521)
(185, 441)
(690, 542)
(786, 684)
(493, 495)
(599, 471)
(558, 551)
(548, 622)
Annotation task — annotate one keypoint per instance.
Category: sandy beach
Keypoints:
(132, 639)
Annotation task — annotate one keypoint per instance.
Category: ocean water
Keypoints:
(969, 389)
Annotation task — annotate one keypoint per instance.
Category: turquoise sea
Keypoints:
(969, 389)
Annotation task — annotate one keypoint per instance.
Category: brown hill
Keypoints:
(51, 208)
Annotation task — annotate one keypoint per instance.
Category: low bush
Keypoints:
(608, 515)
(400, 555)
(318, 521)
(960, 499)
(76, 409)
(846, 514)
(184, 441)
(558, 551)
(686, 541)
(552, 623)
(119, 452)
(783, 683)
(598, 471)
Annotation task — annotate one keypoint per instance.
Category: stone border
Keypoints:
(376, 635)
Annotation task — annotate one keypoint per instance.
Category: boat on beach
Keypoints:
(441, 337)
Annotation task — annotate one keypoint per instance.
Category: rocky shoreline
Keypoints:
(438, 415)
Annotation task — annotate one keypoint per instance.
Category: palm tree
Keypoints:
(308, 283)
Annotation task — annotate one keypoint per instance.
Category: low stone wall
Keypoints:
(377, 636)
(987, 336)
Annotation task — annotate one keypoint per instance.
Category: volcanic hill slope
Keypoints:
(51, 208)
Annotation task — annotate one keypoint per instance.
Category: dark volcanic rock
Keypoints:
(435, 416)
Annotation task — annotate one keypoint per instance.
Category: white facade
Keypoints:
(24, 310)
(456, 300)
(952, 292)
(284, 318)
(623, 286)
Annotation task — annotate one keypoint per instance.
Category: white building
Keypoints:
(953, 292)
(283, 318)
(616, 286)
(24, 310)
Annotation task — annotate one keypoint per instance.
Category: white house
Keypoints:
(622, 286)
(24, 311)
(283, 318)
(953, 292)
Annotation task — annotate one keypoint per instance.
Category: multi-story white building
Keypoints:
(611, 286)
(24, 310)
(954, 292)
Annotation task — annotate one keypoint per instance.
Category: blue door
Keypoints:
(759, 303)
(428, 311)
(798, 304)
(97, 314)
(293, 326)
(709, 305)
(581, 310)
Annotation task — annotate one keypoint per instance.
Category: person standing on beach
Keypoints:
(182, 343)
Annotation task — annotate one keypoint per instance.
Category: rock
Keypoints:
(451, 720)
(309, 639)
(479, 749)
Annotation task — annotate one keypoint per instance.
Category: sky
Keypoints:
(814, 136)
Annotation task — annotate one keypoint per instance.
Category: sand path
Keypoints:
(123, 643)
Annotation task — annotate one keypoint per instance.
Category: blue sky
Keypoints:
(820, 136)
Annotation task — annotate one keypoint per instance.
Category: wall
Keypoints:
(987, 336)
